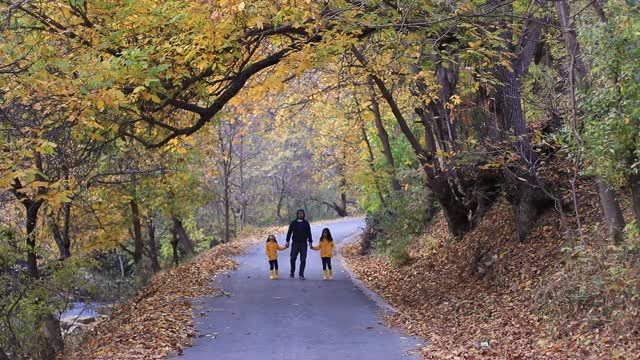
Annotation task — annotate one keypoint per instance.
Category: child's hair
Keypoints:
(271, 237)
(329, 237)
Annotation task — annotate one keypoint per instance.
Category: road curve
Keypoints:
(289, 319)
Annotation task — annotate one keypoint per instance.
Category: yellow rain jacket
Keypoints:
(272, 250)
(325, 247)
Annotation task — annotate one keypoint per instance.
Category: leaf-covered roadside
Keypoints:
(158, 321)
(489, 296)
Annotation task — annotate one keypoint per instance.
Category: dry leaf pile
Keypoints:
(476, 298)
(158, 321)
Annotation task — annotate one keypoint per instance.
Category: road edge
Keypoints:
(372, 295)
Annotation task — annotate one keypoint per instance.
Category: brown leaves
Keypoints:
(465, 314)
(158, 321)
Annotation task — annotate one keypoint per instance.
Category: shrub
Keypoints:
(390, 229)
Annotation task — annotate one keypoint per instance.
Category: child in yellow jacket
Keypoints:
(271, 249)
(326, 252)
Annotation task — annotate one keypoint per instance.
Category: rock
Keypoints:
(70, 321)
(64, 325)
(86, 320)
(104, 310)
(75, 330)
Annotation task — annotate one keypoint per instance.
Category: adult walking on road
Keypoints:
(300, 232)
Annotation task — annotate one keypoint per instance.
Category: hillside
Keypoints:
(490, 296)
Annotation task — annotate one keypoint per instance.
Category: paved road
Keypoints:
(294, 319)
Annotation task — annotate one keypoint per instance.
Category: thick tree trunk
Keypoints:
(183, 237)
(521, 179)
(53, 342)
(612, 212)
(138, 241)
(459, 218)
(153, 246)
(180, 239)
(342, 208)
(383, 135)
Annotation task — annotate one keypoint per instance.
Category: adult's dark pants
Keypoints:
(298, 248)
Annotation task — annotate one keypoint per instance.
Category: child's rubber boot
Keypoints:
(324, 274)
(271, 275)
(331, 274)
(275, 273)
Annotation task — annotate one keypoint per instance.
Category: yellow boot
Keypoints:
(324, 274)
(271, 274)
(275, 273)
(331, 274)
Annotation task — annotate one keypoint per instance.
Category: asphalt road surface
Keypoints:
(292, 318)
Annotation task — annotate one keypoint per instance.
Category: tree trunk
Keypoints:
(66, 237)
(235, 222)
(281, 187)
(279, 218)
(612, 212)
(153, 246)
(62, 238)
(57, 237)
(459, 218)
(521, 178)
(342, 208)
(138, 241)
(227, 210)
(608, 200)
(243, 196)
(3, 354)
(54, 343)
(446, 188)
(183, 237)
(32, 208)
(174, 244)
(372, 165)
(383, 135)
(571, 41)
(597, 7)
(634, 181)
